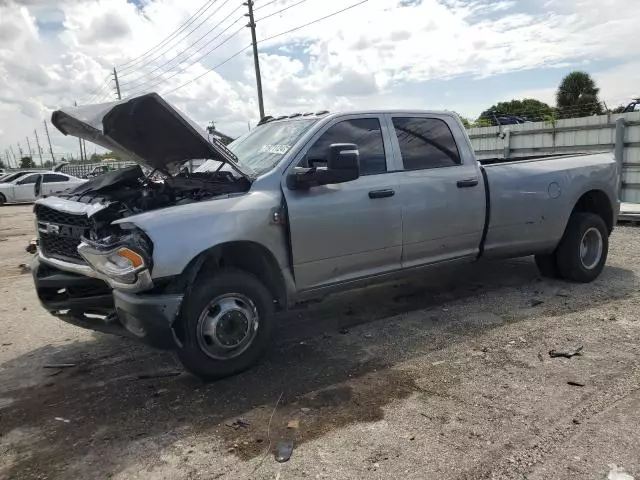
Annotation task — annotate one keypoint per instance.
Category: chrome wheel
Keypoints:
(591, 247)
(227, 326)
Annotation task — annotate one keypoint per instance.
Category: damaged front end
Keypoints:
(81, 230)
(94, 268)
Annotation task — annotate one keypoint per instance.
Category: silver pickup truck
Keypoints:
(301, 206)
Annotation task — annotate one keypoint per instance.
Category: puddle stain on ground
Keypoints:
(357, 401)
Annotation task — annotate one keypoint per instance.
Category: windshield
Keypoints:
(262, 148)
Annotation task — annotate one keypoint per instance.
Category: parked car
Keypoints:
(295, 209)
(26, 187)
(9, 176)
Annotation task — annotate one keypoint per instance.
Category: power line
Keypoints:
(208, 71)
(280, 11)
(264, 40)
(184, 38)
(128, 65)
(313, 21)
(171, 60)
(196, 61)
(265, 5)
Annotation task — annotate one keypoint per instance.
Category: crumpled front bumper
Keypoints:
(90, 303)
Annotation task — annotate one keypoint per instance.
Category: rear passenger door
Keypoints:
(53, 183)
(441, 189)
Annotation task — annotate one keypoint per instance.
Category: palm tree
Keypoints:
(577, 96)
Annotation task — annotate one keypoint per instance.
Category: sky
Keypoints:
(461, 55)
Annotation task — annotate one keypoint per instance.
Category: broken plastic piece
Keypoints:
(284, 449)
(566, 353)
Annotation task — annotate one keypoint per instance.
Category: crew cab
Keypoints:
(30, 185)
(301, 206)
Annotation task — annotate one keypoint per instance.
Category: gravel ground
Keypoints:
(445, 376)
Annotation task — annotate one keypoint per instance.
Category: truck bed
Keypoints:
(531, 199)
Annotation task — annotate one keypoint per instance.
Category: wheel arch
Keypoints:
(598, 202)
(249, 256)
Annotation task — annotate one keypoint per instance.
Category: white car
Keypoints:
(23, 188)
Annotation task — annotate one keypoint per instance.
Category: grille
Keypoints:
(60, 233)
(46, 214)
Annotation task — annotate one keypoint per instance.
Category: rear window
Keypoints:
(425, 143)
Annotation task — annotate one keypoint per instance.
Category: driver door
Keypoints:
(24, 189)
(349, 230)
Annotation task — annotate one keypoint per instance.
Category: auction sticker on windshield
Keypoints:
(279, 149)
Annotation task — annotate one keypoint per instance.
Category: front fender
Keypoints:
(181, 233)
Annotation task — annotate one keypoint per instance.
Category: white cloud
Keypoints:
(54, 52)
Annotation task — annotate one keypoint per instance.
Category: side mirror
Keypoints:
(343, 165)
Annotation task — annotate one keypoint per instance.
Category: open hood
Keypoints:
(146, 129)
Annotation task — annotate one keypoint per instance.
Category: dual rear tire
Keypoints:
(582, 252)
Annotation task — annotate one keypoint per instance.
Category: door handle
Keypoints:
(471, 182)
(382, 193)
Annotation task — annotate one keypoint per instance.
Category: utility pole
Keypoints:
(115, 77)
(256, 61)
(39, 149)
(30, 153)
(46, 129)
(14, 155)
(79, 139)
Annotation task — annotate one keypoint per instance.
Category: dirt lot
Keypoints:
(441, 377)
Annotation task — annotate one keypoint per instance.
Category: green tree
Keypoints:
(48, 164)
(1, 164)
(465, 121)
(27, 162)
(577, 96)
(529, 108)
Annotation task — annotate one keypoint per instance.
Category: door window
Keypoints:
(365, 133)
(29, 179)
(425, 143)
(54, 177)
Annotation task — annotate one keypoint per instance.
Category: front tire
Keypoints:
(583, 249)
(3, 200)
(227, 322)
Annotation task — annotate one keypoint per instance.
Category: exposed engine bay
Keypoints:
(121, 194)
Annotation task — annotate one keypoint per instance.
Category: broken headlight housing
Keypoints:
(124, 261)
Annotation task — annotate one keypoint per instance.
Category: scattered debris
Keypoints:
(343, 331)
(238, 423)
(612, 318)
(618, 473)
(540, 357)
(535, 302)
(60, 419)
(368, 335)
(566, 353)
(522, 340)
(24, 268)
(284, 449)
(305, 410)
(576, 421)
(439, 362)
(7, 344)
(485, 349)
(563, 293)
(32, 248)
(59, 365)
(293, 424)
(146, 376)
(575, 383)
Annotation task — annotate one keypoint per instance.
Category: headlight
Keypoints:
(121, 264)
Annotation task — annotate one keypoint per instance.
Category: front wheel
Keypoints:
(3, 200)
(583, 249)
(227, 323)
